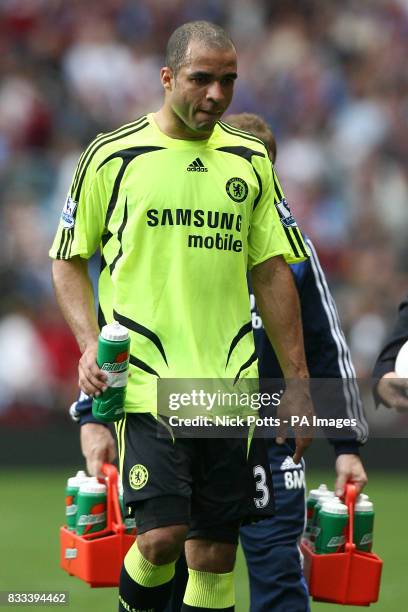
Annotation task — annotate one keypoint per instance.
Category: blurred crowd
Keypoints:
(330, 77)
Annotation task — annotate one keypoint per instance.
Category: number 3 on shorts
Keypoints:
(260, 485)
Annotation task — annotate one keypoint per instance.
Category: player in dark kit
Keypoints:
(176, 245)
(271, 546)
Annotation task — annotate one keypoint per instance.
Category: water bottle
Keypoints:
(92, 501)
(324, 496)
(113, 359)
(363, 524)
(332, 523)
(71, 498)
(311, 502)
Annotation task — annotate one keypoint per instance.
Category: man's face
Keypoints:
(202, 89)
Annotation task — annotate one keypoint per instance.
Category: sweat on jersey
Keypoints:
(179, 223)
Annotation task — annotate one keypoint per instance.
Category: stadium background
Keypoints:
(331, 79)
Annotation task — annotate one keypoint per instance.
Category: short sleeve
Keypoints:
(273, 230)
(82, 219)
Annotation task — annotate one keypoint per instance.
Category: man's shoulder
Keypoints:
(108, 144)
(229, 136)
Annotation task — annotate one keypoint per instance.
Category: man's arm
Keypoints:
(74, 293)
(278, 304)
(328, 357)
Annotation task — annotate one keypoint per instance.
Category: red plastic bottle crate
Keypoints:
(97, 558)
(352, 577)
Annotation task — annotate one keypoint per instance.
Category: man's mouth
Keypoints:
(211, 113)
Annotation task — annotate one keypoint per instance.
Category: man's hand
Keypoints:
(296, 403)
(92, 380)
(393, 391)
(98, 447)
(349, 469)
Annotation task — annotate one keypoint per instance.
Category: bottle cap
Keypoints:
(333, 507)
(115, 332)
(362, 497)
(78, 479)
(92, 485)
(324, 495)
(364, 506)
(316, 493)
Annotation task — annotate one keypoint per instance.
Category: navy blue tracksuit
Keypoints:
(271, 546)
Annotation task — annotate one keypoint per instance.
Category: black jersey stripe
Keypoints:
(101, 317)
(67, 249)
(88, 153)
(105, 239)
(120, 233)
(278, 190)
(299, 240)
(245, 365)
(237, 132)
(61, 244)
(241, 152)
(100, 144)
(245, 329)
(142, 330)
(88, 150)
(127, 155)
(292, 244)
(132, 359)
(142, 365)
(258, 197)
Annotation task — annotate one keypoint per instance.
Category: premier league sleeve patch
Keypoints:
(67, 215)
(285, 215)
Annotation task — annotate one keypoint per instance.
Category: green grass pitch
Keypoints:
(32, 509)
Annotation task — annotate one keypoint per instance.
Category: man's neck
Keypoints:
(171, 125)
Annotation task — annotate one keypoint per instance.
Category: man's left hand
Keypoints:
(349, 469)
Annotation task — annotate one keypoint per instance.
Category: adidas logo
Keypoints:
(289, 464)
(197, 166)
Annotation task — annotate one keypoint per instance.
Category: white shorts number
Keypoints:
(260, 483)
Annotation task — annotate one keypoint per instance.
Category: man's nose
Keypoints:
(215, 92)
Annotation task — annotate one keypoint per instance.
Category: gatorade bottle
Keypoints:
(363, 525)
(91, 514)
(113, 358)
(311, 502)
(332, 523)
(324, 496)
(71, 498)
(129, 521)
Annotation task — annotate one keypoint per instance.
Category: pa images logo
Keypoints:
(237, 189)
(138, 476)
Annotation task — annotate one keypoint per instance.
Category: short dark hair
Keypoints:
(209, 33)
(258, 127)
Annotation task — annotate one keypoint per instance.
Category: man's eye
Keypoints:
(200, 80)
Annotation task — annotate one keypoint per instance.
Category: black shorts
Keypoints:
(212, 485)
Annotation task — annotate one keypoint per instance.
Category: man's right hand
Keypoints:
(393, 391)
(92, 380)
(98, 447)
(296, 403)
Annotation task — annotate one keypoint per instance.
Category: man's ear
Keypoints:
(167, 77)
